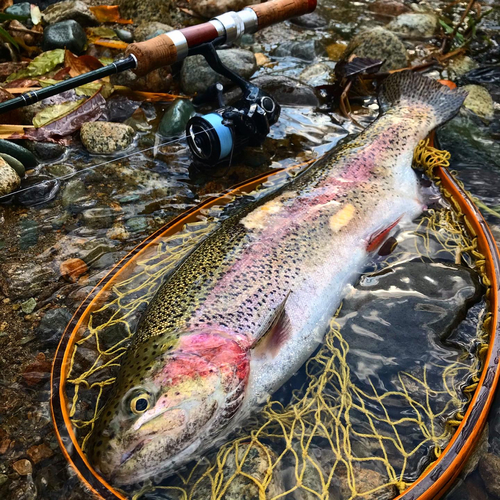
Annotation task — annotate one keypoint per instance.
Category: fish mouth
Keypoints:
(128, 454)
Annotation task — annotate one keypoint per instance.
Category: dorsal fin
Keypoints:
(274, 332)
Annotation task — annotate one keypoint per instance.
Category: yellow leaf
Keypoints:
(53, 113)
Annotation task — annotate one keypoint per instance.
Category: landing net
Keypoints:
(334, 437)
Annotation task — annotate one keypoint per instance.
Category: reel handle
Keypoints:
(174, 46)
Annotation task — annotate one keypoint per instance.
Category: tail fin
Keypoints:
(406, 88)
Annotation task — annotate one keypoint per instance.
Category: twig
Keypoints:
(457, 26)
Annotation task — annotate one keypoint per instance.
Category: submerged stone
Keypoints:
(287, 91)
(46, 150)
(380, 44)
(176, 117)
(124, 35)
(197, 75)
(64, 35)
(307, 50)
(53, 324)
(28, 306)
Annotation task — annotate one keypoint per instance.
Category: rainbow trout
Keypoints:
(249, 306)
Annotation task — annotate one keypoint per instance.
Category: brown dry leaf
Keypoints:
(147, 96)
(109, 14)
(80, 65)
(261, 59)
(5, 3)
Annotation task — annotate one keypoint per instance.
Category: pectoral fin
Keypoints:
(274, 332)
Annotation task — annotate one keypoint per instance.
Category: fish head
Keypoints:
(170, 401)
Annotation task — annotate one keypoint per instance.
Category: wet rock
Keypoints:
(38, 371)
(23, 467)
(72, 269)
(124, 35)
(212, 8)
(46, 150)
(3, 479)
(96, 248)
(414, 25)
(14, 163)
(307, 50)
(74, 194)
(120, 108)
(310, 21)
(29, 234)
(367, 480)
(148, 30)
(64, 35)
(158, 80)
(387, 9)
(53, 324)
(489, 469)
(286, 91)
(42, 189)
(28, 306)
(149, 11)
(257, 463)
(99, 218)
(118, 232)
(175, 118)
(479, 451)
(459, 66)
(9, 180)
(381, 44)
(479, 101)
(39, 453)
(471, 141)
(60, 169)
(22, 154)
(137, 224)
(106, 137)
(317, 74)
(75, 10)
(26, 279)
(20, 9)
(197, 75)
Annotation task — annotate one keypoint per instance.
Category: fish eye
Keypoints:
(140, 403)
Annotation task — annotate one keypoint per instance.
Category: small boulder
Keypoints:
(287, 91)
(147, 11)
(388, 9)
(147, 30)
(71, 9)
(479, 101)
(459, 66)
(64, 35)
(175, 118)
(197, 75)
(53, 324)
(212, 8)
(415, 25)
(318, 74)
(307, 50)
(489, 469)
(9, 180)
(124, 35)
(158, 80)
(106, 137)
(381, 44)
(14, 163)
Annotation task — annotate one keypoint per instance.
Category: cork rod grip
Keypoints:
(279, 10)
(153, 54)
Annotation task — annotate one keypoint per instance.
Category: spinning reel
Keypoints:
(213, 138)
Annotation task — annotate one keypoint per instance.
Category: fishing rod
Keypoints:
(214, 137)
(174, 46)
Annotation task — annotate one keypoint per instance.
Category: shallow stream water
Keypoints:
(98, 208)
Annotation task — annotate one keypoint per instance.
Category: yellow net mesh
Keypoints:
(309, 447)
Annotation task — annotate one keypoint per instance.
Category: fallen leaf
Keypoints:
(102, 32)
(36, 15)
(8, 68)
(5, 3)
(89, 89)
(7, 131)
(41, 65)
(147, 96)
(80, 65)
(109, 14)
(111, 44)
(89, 111)
(52, 113)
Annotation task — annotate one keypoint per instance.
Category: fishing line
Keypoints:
(92, 167)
